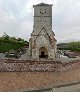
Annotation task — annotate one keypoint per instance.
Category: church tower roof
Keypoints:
(42, 4)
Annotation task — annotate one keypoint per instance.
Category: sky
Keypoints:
(16, 18)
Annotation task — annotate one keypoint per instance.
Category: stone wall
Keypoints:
(39, 66)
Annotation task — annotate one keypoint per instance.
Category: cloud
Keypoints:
(16, 18)
(66, 19)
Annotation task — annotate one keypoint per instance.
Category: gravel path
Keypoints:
(12, 81)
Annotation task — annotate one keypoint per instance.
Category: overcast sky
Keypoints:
(16, 18)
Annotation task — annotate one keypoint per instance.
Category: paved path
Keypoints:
(62, 58)
(63, 88)
(27, 57)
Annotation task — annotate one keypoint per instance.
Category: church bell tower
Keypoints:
(42, 43)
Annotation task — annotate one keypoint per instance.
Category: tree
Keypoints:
(19, 39)
(75, 46)
(5, 36)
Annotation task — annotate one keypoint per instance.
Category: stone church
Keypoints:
(42, 43)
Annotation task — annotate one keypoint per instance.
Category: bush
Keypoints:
(8, 44)
(73, 46)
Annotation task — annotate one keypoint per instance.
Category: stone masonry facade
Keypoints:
(42, 43)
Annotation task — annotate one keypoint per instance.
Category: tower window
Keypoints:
(45, 10)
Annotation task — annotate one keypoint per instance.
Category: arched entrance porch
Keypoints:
(43, 52)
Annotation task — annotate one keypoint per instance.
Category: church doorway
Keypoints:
(43, 53)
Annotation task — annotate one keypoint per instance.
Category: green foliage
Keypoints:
(9, 43)
(73, 46)
(62, 46)
(7, 47)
